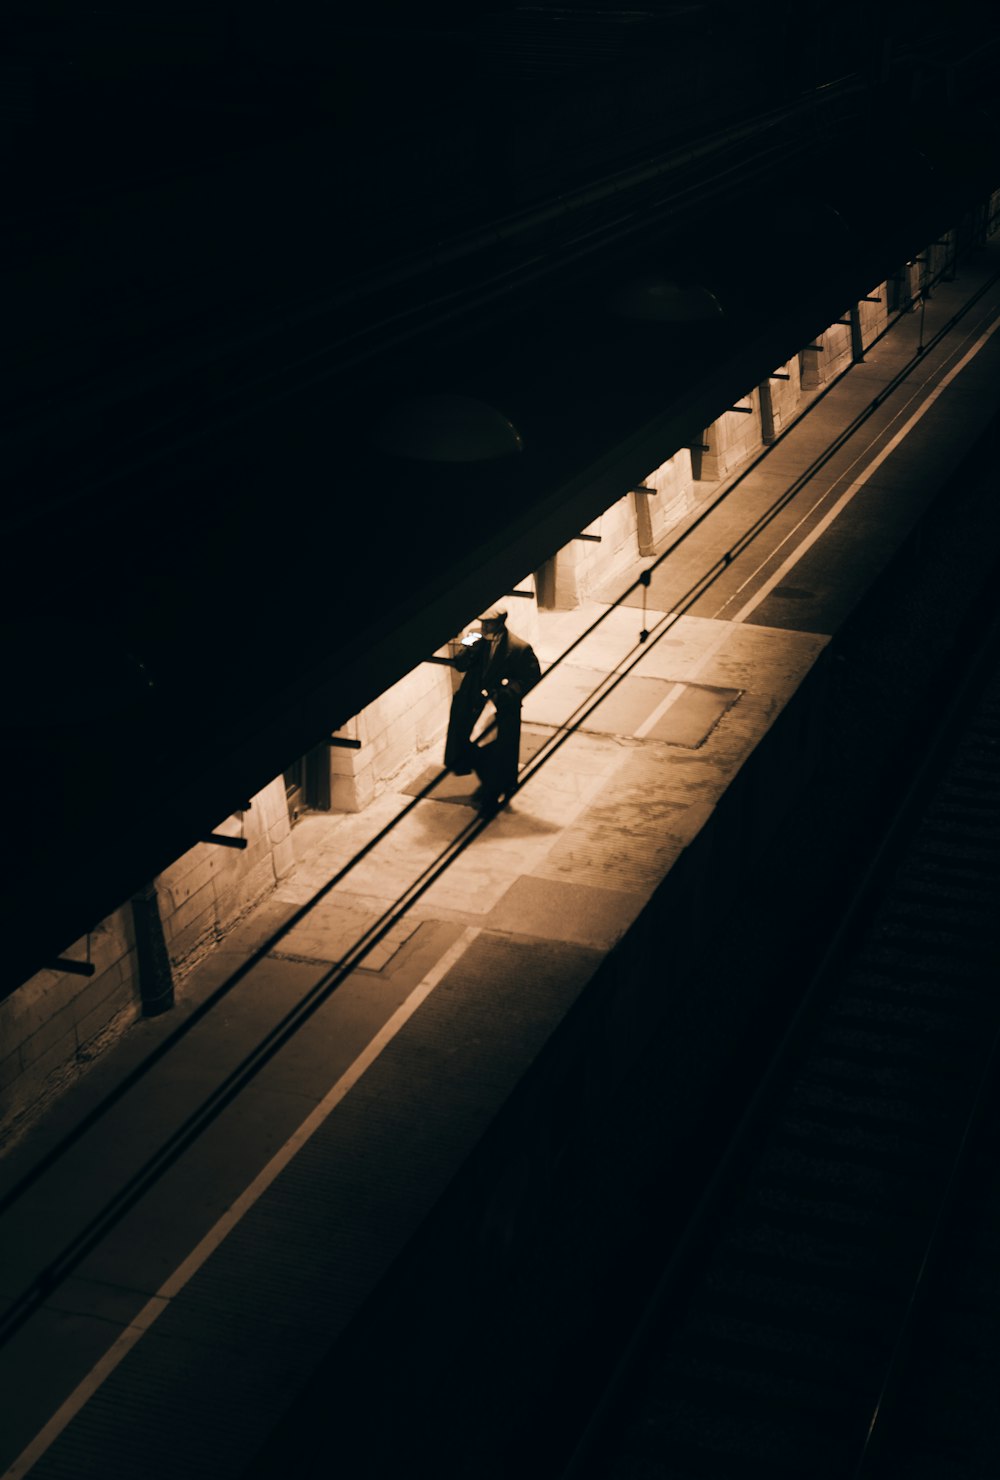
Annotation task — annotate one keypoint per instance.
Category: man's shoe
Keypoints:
(489, 807)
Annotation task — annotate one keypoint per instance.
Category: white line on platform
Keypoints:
(679, 687)
(857, 484)
(171, 1287)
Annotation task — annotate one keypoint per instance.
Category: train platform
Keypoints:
(343, 1176)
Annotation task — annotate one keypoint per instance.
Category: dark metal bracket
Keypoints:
(698, 447)
(743, 410)
(72, 968)
(594, 539)
(524, 595)
(342, 742)
(224, 840)
(641, 488)
(871, 300)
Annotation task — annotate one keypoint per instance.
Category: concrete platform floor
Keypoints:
(189, 1318)
(545, 891)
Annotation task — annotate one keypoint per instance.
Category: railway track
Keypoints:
(937, 1417)
(783, 1320)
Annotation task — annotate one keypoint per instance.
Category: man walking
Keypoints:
(501, 667)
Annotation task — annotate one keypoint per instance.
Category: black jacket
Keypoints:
(504, 675)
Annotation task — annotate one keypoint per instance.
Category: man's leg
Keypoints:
(486, 767)
(459, 751)
(507, 748)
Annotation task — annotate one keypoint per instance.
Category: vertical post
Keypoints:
(809, 363)
(857, 343)
(643, 524)
(951, 258)
(317, 787)
(156, 981)
(766, 413)
(698, 450)
(896, 291)
(545, 584)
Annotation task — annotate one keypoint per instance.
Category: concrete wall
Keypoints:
(582, 566)
(405, 720)
(630, 528)
(675, 495)
(57, 1023)
(785, 395)
(874, 316)
(733, 439)
(54, 1025)
(820, 365)
(205, 892)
